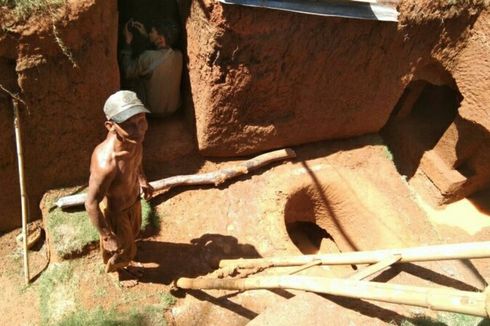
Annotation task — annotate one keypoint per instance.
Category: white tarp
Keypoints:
(360, 9)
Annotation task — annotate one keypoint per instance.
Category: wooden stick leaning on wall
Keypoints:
(467, 250)
(23, 195)
(215, 178)
(20, 163)
(471, 303)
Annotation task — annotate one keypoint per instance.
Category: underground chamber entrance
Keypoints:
(419, 120)
(307, 236)
(300, 218)
(151, 53)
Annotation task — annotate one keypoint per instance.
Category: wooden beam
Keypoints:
(215, 178)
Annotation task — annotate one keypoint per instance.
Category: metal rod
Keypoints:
(23, 196)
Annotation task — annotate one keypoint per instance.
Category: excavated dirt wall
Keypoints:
(258, 79)
(62, 119)
(262, 79)
(456, 161)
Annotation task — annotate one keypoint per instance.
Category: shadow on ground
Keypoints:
(165, 262)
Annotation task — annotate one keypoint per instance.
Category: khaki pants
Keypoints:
(126, 225)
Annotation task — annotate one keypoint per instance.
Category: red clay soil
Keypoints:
(371, 207)
(62, 119)
(263, 79)
(351, 189)
(256, 79)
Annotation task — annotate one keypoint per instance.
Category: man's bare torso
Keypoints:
(124, 166)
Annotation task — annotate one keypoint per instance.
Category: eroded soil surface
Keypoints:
(245, 217)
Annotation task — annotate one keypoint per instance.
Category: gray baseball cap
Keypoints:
(122, 105)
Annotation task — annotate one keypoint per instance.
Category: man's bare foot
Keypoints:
(136, 269)
(128, 283)
(120, 278)
(128, 276)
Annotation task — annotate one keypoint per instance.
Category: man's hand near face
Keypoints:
(140, 28)
(128, 36)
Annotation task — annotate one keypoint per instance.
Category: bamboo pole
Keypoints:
(23, 195)
(302, 268)
(471, 303)
(467, 250)
(216, 177)
(374, 268)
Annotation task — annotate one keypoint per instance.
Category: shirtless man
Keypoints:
(117, 180)
(155, 75)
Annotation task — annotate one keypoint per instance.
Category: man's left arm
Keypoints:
(145, 186)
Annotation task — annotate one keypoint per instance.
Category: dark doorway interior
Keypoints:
(307, 236)
(146, 12)
(422, 115)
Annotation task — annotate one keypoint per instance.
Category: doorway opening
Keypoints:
(419, 120)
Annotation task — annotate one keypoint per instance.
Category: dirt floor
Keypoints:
(259, 215)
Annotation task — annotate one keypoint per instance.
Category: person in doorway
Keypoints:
(155, 75)
(116, 182)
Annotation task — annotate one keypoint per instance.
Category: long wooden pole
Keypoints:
(467, 250)
(216, 177)
(23, 195)
(471, 303)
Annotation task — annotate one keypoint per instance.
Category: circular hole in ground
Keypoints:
(307, 236)
(300, 218)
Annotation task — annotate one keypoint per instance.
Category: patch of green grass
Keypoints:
(100, 292)
(167, 300)
(25, 8)
(62, 285)
(163, 300)
(147, 317)
(454, 319)
(447, 319)
(70, 232)
(152, 315)
(149, 217)
(421, 321)
(57, 293)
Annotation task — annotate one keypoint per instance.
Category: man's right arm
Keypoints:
(100, 180)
